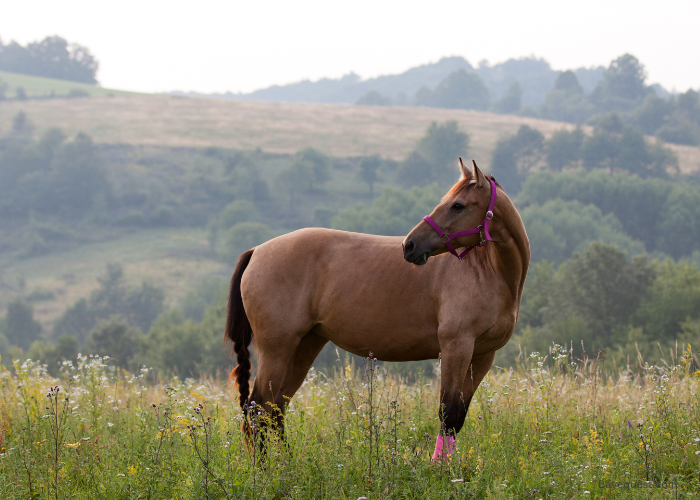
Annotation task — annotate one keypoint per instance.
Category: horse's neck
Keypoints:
(511, 250)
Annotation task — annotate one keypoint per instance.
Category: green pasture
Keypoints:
(174, 259)
(37, 87)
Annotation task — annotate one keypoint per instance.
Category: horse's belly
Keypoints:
(387, 336)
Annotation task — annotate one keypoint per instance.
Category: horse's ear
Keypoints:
(478, 175)
(466, 173)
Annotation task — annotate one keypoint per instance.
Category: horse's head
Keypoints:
(463, 207)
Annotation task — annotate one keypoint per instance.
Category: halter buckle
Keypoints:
(482, 235)
(445, 238)
(489, 215)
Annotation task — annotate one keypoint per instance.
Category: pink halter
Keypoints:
(482, 229)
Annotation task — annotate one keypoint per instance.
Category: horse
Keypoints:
(399, 299)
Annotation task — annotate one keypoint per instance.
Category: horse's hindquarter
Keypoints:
(354, 289)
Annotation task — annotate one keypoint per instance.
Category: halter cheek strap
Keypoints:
(482, 229)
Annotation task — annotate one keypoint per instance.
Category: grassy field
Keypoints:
(172, 259)
(338, 130)
(36, 86)
(553, 428)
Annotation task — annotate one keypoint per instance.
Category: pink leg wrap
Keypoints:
(444, 447)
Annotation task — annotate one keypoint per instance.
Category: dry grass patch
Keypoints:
(339, 130)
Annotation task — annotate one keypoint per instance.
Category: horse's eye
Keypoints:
(457, 207)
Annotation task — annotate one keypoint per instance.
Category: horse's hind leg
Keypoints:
(281, 373)
(299, 365)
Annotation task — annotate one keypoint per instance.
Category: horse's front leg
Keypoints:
(479, 367)
(455, 358)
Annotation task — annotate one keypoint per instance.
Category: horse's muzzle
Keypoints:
(411, 254)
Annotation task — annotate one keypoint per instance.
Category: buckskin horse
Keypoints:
(400, 300)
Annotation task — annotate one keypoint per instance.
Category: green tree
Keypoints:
(373, 98)
(601, 150)
(614, 146)
(441, 146)
(435, 156)
(312, 165)
(138, 306)
(110, 298)
(22, 125)
(52, 355)
(208, 291)
(21, 329)
(52, 57)
(652, 113)
(235, 212)
(415, 170)
(243, 236)
(559, 228)
(605, 288)
(539, 288)
(115, 338)
(78, 320)
(143, 305)
(567, 82)
(77, 176)
(623, 85)
(564, 148)
(188, 349)
(638, 203)
(514, 156)
(673, 299)
(309, 168)
(678, 232)
(683, 125)
(511, 101)
(566, 102)
(368, 173)
(176, 345)
(459, 90)
(395, 212)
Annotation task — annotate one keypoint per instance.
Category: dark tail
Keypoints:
(238, 329)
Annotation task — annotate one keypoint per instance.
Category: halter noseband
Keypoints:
(482, 229)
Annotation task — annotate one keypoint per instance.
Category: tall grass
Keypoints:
(553, 428)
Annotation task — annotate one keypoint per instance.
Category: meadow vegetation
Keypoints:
(554, 426)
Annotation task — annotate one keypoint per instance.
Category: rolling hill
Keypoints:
(40, 87)
(338, 130)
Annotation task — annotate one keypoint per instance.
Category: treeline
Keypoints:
(53, 57)
(603, 300)
(58, 191)
(127, 323)
(612, 146)
(622, 90)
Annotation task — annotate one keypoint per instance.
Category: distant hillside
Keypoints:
(535, 76)
(40, 87)
(338, 130)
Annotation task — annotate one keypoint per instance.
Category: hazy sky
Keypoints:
(214, 46)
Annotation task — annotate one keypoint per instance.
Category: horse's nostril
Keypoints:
(408, 247)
